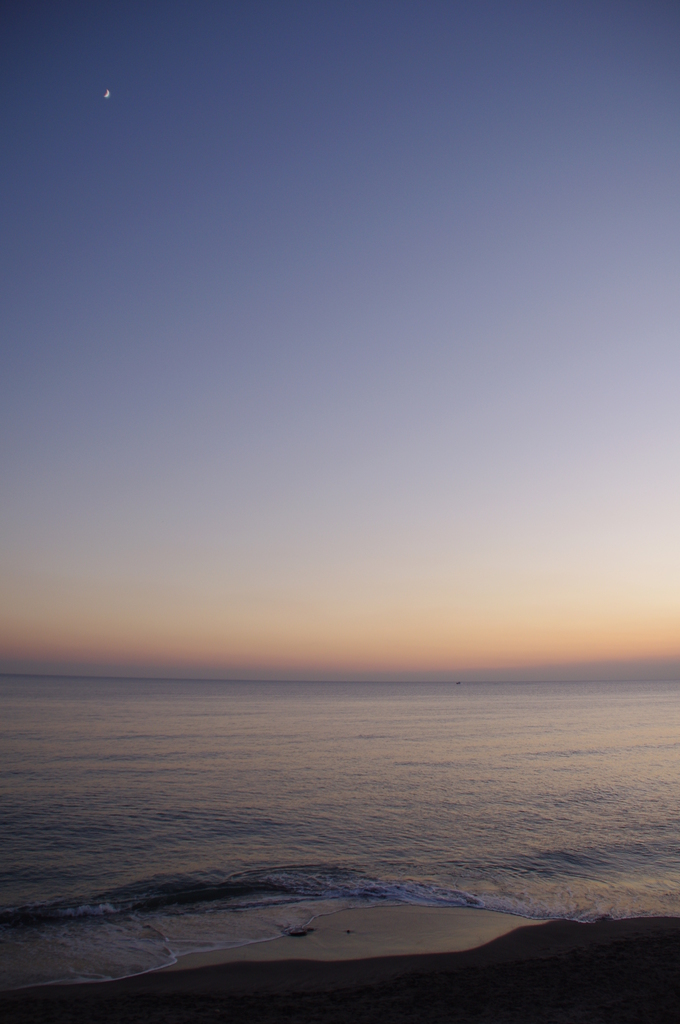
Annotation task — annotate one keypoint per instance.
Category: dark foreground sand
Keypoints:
(614, 971)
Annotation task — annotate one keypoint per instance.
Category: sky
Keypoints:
(341, 340)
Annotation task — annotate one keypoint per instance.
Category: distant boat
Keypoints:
(458, 683)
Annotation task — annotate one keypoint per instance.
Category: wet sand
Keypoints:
(559, 971)
(359, 934)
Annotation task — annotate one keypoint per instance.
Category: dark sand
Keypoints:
(613, 971)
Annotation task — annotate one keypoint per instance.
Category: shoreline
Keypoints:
(349, 934)
(233, 971)
(558, 971)
(361, 933)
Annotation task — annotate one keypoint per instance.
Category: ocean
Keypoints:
(144, 819)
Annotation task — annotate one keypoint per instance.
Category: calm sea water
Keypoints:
(144, 819)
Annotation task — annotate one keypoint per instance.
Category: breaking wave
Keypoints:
(248, 890)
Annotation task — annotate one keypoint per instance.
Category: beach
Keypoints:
(413, 837)
(555, 971)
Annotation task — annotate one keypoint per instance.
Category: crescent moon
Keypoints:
(107, 94)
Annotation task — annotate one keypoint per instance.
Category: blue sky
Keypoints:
(341, 339)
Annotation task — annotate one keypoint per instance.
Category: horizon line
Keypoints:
(386, 681)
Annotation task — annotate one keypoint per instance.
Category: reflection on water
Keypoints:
(142, 819)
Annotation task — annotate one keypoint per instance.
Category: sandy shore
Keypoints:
(359, 934)
(559, 971)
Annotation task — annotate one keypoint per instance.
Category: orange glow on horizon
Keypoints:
(327, 640)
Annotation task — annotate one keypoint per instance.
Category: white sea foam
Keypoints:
(88, 911)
